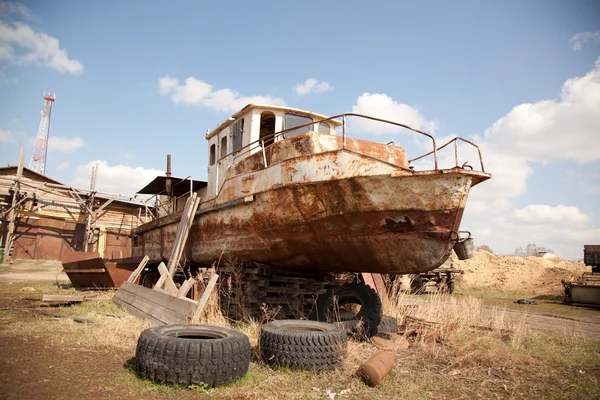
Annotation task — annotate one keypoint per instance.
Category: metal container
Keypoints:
(465, 249)
(376, 368)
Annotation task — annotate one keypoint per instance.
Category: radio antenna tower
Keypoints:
(38, 158)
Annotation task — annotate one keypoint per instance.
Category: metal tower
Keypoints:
(38, 158)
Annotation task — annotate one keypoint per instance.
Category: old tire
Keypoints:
(387, 325)
(301, 344)
(352, 326)
(450, 287)
(192, 355)
(418, 285)
(370, 305)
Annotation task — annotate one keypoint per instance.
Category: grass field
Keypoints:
(466, 353)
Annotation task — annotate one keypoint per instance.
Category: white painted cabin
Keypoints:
(242, 135)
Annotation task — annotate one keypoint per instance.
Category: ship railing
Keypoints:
(261, 142)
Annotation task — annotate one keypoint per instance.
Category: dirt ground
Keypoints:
(44, 357)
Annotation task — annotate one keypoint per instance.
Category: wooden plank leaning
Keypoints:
(204, 299)
(136, 273)
(165, 281)
(183, 230)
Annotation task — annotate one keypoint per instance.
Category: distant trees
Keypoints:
(531, 250)
(485, 247)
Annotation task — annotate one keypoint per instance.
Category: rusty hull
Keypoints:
(324, 206)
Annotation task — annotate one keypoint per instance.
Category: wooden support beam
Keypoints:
(187, 217)
(165, 281)
(185, 288)
(136, 273)
(204, 299)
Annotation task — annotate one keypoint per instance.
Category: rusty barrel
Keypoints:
(376, 368)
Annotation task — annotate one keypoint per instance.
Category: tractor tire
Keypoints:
(387, 325)
(450, 287)
(192, 355)
(301, 344)
(352, 326)
(418, 285)
(327, 306)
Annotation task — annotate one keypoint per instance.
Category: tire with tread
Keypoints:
(192, 355)
(352, 293)
(302, 344)
(348, 321)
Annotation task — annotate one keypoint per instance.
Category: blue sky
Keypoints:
(132, 84)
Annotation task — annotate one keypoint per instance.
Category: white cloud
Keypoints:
(543, 214)
(545, 131)
(9, 7)
(312, 85)
(20, 45)
(580, 38)
(382, 106)
(63, 165)
(7, 136)
(118, 179)
(64, 145)
(195, 91)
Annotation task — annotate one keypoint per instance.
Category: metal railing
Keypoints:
(260, 143)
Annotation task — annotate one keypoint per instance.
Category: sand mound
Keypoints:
(524, 274)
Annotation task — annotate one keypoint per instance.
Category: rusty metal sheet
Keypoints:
(26, 233)
(83, 269)
(49, 241)
(118, 244)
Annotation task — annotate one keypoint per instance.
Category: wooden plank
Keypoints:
(58, 298)
(136, 273)
(154, 305)
(183, 230)
(163, 276)
(185, 288)
(168, 285)
(202, 303)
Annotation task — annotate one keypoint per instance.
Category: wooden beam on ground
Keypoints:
(154, 305)
(136, 273)
(204, 299)
(63, 299)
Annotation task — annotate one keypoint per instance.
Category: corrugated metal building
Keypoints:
(51, 218)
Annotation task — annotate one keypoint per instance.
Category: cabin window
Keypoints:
(324, 128)
(267, 127)
(237, 134)
(223, 146)
(292, 120)
(212, 154)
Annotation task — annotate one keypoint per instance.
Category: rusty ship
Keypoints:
(288, 188)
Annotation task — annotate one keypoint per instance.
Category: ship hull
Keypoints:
(394, 223)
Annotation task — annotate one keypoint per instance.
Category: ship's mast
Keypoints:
(40, 150)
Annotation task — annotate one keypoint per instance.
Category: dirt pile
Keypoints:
(534, 275)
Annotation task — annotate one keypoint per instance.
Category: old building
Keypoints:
(43, 218)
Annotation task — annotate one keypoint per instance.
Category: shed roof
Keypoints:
(180, 186)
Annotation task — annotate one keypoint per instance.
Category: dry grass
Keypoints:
(463, 352)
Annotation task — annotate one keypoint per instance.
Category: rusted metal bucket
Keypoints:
(465, 248)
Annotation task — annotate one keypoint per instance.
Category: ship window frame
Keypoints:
(212, 154)
(237, 135)
(328, 128)
(223, 149)
(298, 131)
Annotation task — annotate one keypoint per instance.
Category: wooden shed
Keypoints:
(50, 218)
